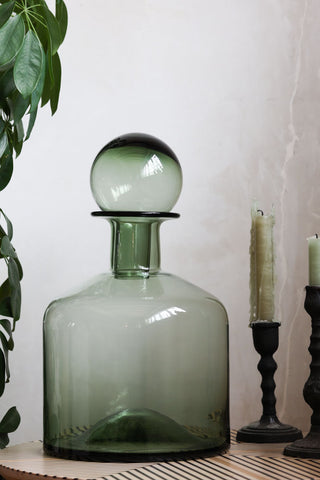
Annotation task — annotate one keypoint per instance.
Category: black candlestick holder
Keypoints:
(309, 447)
(268, 429)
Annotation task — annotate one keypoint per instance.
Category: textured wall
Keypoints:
(234, 88)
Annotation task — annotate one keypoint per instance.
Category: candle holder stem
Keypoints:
(309, 447)
(268, 429)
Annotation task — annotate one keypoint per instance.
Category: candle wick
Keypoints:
(317, 236)
(260, 212)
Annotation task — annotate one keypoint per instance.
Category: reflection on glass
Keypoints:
(120, 190)
(164, 314)
(152, 167)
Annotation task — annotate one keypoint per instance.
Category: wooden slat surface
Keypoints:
(243, 462)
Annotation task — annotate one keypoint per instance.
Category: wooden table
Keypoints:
(244, 461)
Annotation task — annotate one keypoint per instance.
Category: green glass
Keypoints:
(136, 172)
(136, 363)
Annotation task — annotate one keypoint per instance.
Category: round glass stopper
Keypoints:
(136, 172)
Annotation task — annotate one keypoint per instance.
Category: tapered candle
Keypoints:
(262, 266)
(314, 260)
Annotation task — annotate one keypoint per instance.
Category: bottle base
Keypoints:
(125, 457)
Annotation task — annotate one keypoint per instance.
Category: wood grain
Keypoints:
(244, 461)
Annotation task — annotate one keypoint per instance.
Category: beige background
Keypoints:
(233, 86)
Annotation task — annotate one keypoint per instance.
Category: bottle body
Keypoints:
(135, 368)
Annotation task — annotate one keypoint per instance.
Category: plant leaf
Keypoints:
(55, 91)
(3, 143)
(7, 85)
(6, 247)
(9, 225)
(2, 372)
(47, 85)
(19, 107)
(5, 290)
(19, 268)
(36, 94)
(18, 129)
(7, 326)
(10, 421)
(5, 347)
(11, 39)
(28, 64)
(49, 62)
(53, 29)
(15, 288)
(5, 307)
(5, 12)
(17, 144)
(4, 440)
(6, 169)
(62, 17)
(32, 119)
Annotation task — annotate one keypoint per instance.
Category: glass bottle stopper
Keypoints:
(136, 173)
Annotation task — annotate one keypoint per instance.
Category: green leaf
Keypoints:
(36, 94)
(32, 119)
(5, 307)
(19, 131)
(9, 225)
(47, 85)
(5, 12)
(4, 440)
(7, 85)
(3, 143)
(28, 65)
(10, 421)
(5, 290)
(14, 281)
(62, 17)
(53, 29)
(55, 91)
(17, 144)
(5, 347)
(7, 327)
(19, 107)
(5, 107)
(49, 62)
(40, 23)
(6, 248)
(11, 39)
(6, 169)
(2, 233)
(2, 372)
(19, 268)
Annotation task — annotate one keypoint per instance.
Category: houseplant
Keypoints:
(30, 76)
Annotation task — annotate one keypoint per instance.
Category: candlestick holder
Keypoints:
(309, 447)
(268, 429)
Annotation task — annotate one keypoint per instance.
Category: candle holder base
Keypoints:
(308, 447)
(268, 430)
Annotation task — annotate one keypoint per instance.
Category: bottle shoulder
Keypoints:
(158, 285)
(161, 291)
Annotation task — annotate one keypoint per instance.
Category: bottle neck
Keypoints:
(135, 248)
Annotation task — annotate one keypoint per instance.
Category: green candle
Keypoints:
(262, 266)
(314, 260)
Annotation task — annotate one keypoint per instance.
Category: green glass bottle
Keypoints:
(136, 363)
